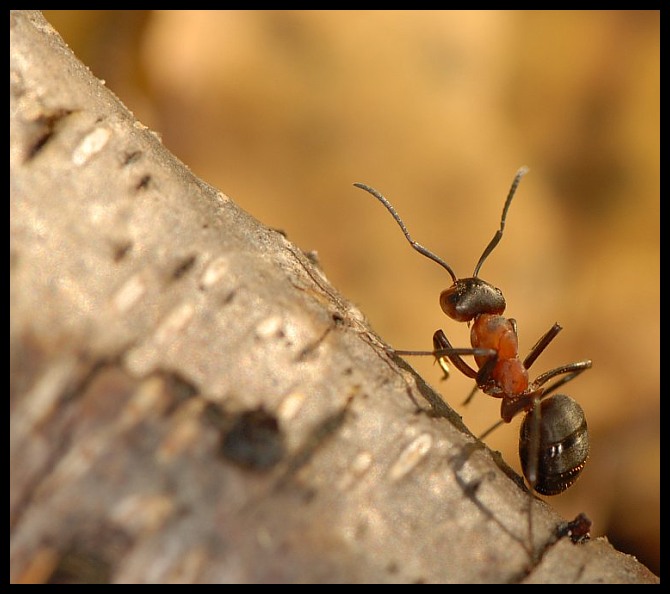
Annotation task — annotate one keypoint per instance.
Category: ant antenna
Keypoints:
(426, 252)
(417, 246)
(498, 236)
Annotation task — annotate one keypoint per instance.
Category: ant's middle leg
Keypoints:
(541, 344)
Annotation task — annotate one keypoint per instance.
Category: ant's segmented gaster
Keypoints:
(553, 442)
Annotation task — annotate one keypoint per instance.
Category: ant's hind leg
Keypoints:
(569, 372)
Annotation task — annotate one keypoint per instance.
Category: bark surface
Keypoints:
(192, 401)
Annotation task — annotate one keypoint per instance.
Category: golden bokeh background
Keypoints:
(284, 110)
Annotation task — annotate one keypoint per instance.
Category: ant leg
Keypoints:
(451, 352)
(471, 395)
(533, 461)
(484, 373)
(541, 344)
(572, 370)
(534, 443)
(491, 429)
(444, 367)
(443, 348)
(509, 408)
(441, 343)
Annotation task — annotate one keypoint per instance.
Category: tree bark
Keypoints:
(192, 401)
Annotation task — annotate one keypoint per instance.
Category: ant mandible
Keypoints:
(553, 441)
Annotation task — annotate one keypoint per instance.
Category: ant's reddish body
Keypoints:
(553, 443)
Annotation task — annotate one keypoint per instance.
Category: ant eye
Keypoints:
(469, 297)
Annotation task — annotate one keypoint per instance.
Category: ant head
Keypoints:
(469, 297)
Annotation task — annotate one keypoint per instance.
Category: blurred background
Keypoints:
(284, 110)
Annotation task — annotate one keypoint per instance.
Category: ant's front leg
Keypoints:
(443, 348)
(484, 373)
(483, 376)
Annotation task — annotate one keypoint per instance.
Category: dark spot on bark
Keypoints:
(121, 249)
(92, 555)
(131, 157)
(81, 567)
(253, 440)
(43, 130)
(183, 267)
(144, 182)
(179, 387)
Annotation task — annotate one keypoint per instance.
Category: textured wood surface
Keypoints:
(192, 401)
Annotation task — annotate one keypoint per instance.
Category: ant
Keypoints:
(553, 441)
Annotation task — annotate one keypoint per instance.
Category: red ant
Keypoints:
(553, 442)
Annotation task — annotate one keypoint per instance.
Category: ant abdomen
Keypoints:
(563, 445)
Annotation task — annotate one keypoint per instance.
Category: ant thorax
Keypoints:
(509, 377)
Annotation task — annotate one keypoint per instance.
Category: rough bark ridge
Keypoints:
(192, 401)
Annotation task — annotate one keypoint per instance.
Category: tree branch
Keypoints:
(192, 401)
